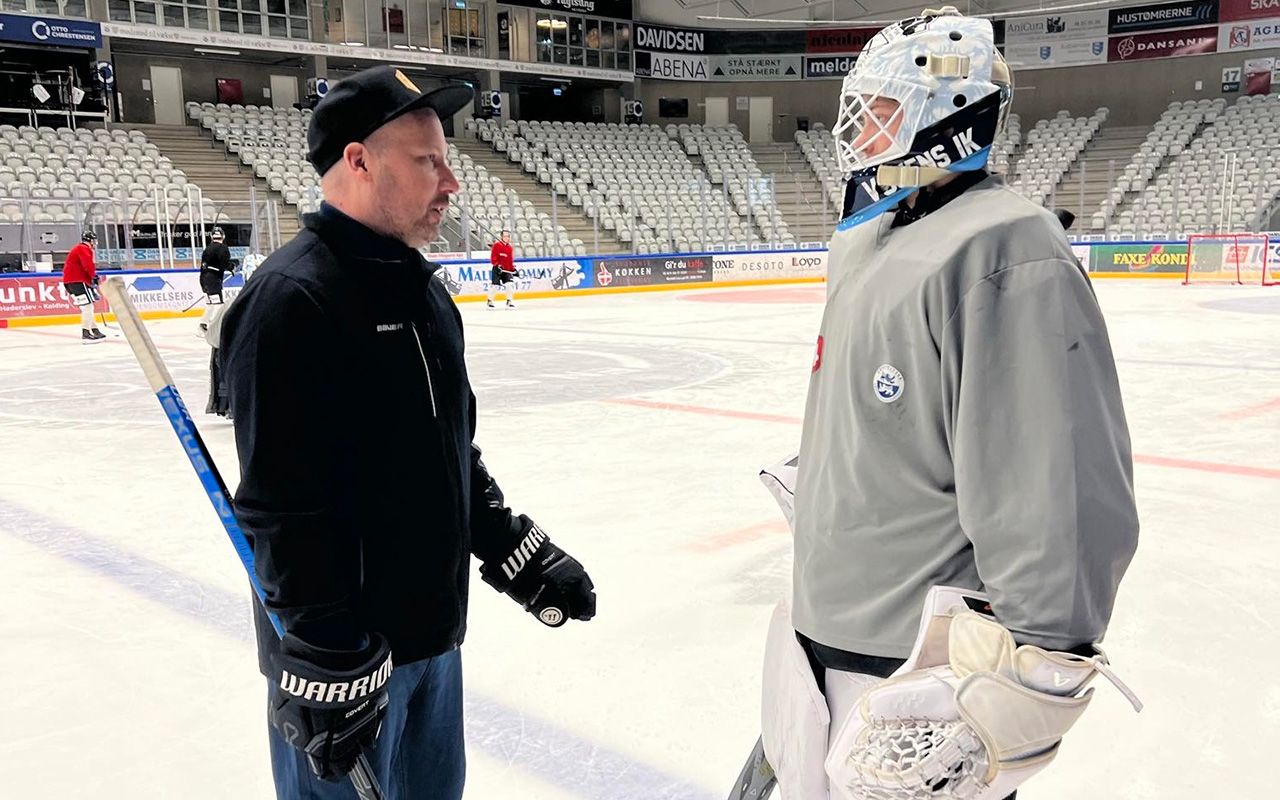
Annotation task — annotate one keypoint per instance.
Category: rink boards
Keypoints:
(39, 299)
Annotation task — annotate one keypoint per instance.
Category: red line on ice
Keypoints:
(1254, 411)
(713, 412)
(751, 533)
(1266, 473)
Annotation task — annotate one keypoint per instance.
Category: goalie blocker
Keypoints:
(969, 716)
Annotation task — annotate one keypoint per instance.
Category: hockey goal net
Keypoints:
(1231, 258)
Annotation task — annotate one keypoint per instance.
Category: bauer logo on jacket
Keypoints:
(888, 383)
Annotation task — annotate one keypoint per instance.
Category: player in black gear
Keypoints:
(215, 264)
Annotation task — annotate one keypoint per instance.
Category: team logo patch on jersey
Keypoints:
(888, 383)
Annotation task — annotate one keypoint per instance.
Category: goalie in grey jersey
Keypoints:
(964, 428)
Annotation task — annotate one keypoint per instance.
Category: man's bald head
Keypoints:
(396, 181)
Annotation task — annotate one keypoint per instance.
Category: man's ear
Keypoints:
(356, 155)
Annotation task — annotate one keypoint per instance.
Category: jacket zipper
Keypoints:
(431, 390)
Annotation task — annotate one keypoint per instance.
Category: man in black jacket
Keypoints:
(215, 264)
(363, 527)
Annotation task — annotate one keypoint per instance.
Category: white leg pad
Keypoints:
(795, 720)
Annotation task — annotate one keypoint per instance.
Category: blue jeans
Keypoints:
(419, 753)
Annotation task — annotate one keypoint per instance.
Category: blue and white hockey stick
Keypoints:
(362, 777)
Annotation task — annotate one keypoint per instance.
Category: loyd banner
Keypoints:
(1233, 10)
(619, 272)
(770, 266)
(1191, 42)
(1138, 258)
(1163, 16)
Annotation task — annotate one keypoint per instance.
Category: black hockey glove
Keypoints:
(545, 580)
(328, 703)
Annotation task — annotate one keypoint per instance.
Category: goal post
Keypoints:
(1242, 258)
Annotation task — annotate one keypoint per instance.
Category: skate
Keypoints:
(489, 303)
(87, 336)
(511, 304)
(97, 334)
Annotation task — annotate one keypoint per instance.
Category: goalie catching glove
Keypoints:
(330, 703)
(974, 727)
(545, 580)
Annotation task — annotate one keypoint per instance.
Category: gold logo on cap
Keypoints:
(400, 76)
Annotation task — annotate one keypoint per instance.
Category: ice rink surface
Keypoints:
(632, 428)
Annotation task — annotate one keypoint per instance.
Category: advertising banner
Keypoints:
(619, 272)
(618, 9)
(471, 279)
(160, 290)
(1083, 254)
(1191, 42)
(1058, 54)
(1257, 75)
(665, 39)
(1162, 16)
(770, 266)
(41, 296)
(1235, 10)
(756, 68)
(1056, 27)
(661, 39)
(828, 66)
(838, 40)
(50, 31)
(1138, 258)
(1249, 35)
(671, 66)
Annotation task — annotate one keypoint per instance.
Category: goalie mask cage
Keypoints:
(1243, 258)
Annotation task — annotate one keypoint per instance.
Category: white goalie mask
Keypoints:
(927, 96)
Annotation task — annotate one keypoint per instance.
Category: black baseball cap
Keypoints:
(357, 106)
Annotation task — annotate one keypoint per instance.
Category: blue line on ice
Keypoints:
(559, 758)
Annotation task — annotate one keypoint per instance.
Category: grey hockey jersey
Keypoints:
(963, 427)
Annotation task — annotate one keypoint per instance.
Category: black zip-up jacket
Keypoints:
(360, 489)
(215, 263)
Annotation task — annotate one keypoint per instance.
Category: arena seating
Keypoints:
(729, 161)
(1172, 134)
(637, 178)
(60, 172)
(1224, 178)
(273, 142)
(1052, 146)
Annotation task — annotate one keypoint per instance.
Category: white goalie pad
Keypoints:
(213, 299)
(780, 480)
(971, 716)
(795, 722)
